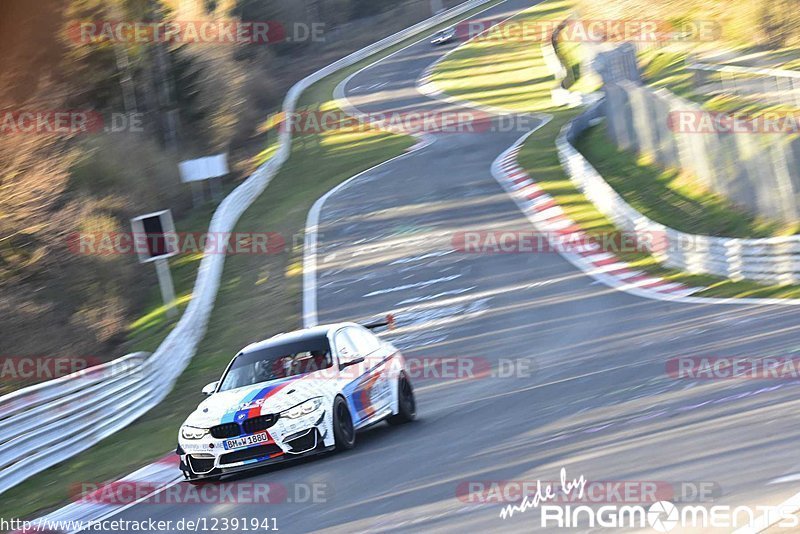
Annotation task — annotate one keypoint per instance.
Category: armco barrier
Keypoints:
(749, 166)
(773, 260)
(48, 423)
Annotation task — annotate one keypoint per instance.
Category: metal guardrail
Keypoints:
(48, 423)
(773, 260)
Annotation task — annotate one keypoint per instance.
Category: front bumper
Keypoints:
(218, 472)
(209, 458)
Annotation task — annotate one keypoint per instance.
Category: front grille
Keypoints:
(257, 424)
(249, 454)
(227, 430)
(201, 466)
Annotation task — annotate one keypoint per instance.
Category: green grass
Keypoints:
(146, 332)
(573, 55)
(513, 75)
(540, 157)
(747, 54)
(667, 69)
(669, 197)
(259, 295)
(519, 82)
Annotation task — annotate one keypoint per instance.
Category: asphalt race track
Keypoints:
(590, 394)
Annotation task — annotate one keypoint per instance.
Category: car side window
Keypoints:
(366, 343)
(345, 347)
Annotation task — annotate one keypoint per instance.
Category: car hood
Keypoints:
(251, 401)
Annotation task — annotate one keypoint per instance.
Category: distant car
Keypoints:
(444, 36)
(294, 395)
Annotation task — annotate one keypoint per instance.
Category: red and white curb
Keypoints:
(506, 164)
(549, 218)
(156, 477)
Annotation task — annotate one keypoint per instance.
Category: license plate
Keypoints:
(246, 441)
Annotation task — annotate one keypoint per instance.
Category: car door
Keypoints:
(375, 388)
(350, 370)
(367, 389)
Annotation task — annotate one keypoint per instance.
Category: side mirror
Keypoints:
(354, 361)
(210, 388)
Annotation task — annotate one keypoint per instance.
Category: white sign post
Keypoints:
(166, 285)
(156, 241)
(196, 171)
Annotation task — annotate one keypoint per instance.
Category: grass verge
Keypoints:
(667, 69)
(669, 197)
(259, 295)
(513, 75)
(148, 331)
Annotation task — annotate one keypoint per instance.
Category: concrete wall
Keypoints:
(758, 172)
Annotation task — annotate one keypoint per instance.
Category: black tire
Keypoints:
(407, 409)
(344, 432)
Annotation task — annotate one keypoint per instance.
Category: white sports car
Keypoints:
(293, 395)
(444, 36)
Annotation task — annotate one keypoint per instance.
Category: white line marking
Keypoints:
(630, 274)
(787, 478)
(607, 268)
(426, 87)
(413, 259)
(310, 317)
(417, 285)
(310, 311)
(600, 256)
(426, 298)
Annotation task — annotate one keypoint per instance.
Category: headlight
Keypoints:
(190, 432)
(305, 408)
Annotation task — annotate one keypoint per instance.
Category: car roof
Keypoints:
(313, 332)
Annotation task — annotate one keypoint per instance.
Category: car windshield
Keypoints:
(278, 362)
